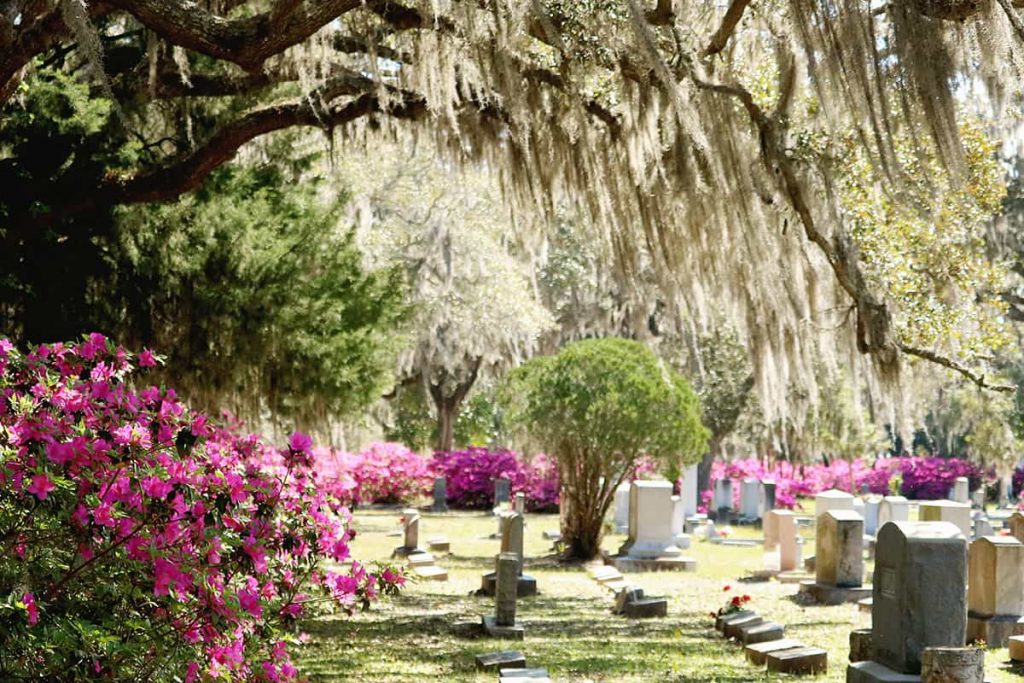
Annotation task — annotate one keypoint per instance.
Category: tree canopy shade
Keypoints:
(812, 164)
(597, 407)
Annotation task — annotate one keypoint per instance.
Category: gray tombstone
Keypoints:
(982, 527)
(505, 590)
(520, 504)
(767, 496)
(1005, 483)
(440, 495)
(919, 599)
(688, 491)
(723, 495)
(839, 549)
(871, 508)
(750, 499)
(502, 490)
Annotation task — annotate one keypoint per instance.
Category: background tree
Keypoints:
(474, 312)
(704, 140)
(597, 407)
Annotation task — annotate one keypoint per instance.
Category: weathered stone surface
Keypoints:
(688, 491)
(824, 594)
(860, 645)
(732, 629)
(788, 539)
(918, 599)
(439, 544)
(995, 577)
(505, 589)
(410, 532)
(982, 526)
(650, 522)
(467, 629)
(839, 549)
(723, 495)
(431, 573)
(421, 560)
(496, 630)
(722, 619)
(657, 564)
(502, 490)
(505, 659)
(523, 673)
(893, 509)
(833, 499)
(1016, 645)
(952, 665)
(757, 652)
(440, 495)
(626, 595)
(994, 631)
(621, 518)
(947, 511)
(750, 499)
(872, 506)
(961, 492)
(646, 608)
(1016, 525)
(873, 672)
(804, 660)
(762, 633)
(767, 496)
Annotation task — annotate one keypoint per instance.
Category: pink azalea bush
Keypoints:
(140, 540)
(471, 474)
(921, 478)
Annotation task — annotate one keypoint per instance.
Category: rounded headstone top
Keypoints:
(998, 540)
(931, 531)
(834, 493)
(895, 499)
(943, 504)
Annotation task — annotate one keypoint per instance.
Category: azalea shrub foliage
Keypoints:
(917, 477)
(142, 541)
(471, 474)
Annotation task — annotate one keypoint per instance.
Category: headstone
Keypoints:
(650, 521)
(833, 499)
(520, 504)
(757, 652)
(947, 511)
(502, 490)
(767, 496)
(723, 495)
(771, 531)
(949, 664)
(790, 548)
(688, 491)
(512, 544)
(978, 498)
(858, 506)
(982, 527)
(918, 599)
(1005, 483)
(839, 549)
(750, 499)
(622, 508)
(506, 659)
(871, 509)
(860, 645)
(410, 533)
(711, 531)
(1016, 525)
(995, 590)
(503, 624)
(1017, 648)
(679, 536)
(962, 490)
(440, 495)
(893, 509)
(803, 660)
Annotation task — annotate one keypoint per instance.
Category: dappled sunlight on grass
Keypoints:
(569, 626)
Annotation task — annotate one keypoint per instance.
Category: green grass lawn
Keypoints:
(569, 626)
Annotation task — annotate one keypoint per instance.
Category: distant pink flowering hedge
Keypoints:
(921, 478)
(141, 541)
(471, 474)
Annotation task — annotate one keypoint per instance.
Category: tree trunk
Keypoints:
(704, 468)
(447, 405)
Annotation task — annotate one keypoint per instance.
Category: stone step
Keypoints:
(801, 660)
(873, 672)
(616, 585)
(757, 652)
(865, 604)
(503, 659)
(523, 673)
(431, 573)
(1017, 648)
(762, 633)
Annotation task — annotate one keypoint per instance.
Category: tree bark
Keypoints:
(448, 405)
(704, 467)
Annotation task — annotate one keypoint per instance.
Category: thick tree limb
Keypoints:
(246, 41)
(721, 37)
(169, 182)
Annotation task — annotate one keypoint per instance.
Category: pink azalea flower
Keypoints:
(29, 601)
(40, 486)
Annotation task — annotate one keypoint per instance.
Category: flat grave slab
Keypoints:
(503, 659)
(756, 652)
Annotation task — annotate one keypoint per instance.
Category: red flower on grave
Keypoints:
(727, 587)
(736, 601)
(746, 598)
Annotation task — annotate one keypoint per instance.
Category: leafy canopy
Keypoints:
(607, 396)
